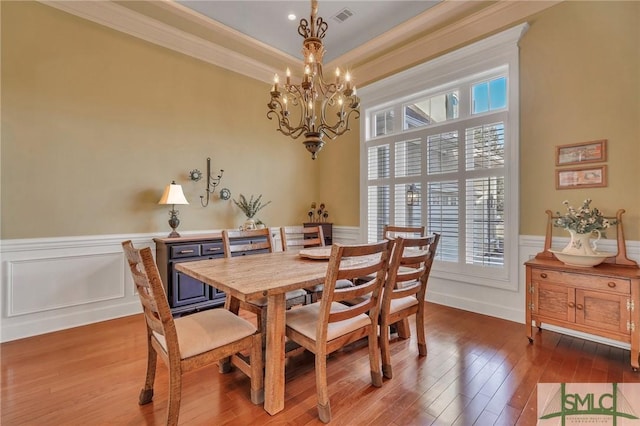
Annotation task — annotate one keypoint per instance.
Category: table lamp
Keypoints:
(173, 195)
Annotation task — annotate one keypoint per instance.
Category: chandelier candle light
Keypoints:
(306, 109)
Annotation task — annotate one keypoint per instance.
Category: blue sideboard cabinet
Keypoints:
(186, 294)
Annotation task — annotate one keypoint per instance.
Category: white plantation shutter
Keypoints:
(378, 211)
(443, 218)
(442, 153)
(484, 222)
(378, 195)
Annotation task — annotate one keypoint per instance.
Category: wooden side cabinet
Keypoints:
(186, 294)
(603, 300)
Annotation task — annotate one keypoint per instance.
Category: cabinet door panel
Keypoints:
(604, 311)
(554, 301)
(187, 290)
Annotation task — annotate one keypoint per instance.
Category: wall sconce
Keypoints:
(173, 195)
(413, 195)
(195, 175)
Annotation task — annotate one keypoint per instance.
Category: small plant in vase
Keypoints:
(250, 208)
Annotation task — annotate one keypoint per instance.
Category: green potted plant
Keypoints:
(250, 208)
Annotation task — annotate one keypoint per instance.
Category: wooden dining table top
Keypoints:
(255, 276)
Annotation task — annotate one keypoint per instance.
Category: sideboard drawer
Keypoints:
(212, 248)
(592, 282)
(185, 250)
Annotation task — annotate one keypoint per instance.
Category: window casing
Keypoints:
(449, 129)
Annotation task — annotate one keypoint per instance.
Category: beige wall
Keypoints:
(580, 81)
(95, 123)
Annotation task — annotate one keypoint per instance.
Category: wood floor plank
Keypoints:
(478, 370)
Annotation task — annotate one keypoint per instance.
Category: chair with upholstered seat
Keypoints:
(328, 325)
(240, 243)
(405, 290)
(192, 341)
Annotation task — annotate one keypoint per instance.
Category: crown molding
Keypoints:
(428, 20)
(486, 22)
(364, 60)
(127, 21)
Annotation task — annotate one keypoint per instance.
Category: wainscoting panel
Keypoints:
(44, 284)
(51, 284)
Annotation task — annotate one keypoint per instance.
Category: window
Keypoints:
(451, 138)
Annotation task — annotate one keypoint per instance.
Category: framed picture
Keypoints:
(584, 152)
(586, 177)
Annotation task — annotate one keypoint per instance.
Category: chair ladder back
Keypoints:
(351, 262)
(301, 237)
(230, 235)
(411, 261)
(152, 297)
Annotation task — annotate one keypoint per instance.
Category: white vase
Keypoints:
(581, 244)
(249, 224)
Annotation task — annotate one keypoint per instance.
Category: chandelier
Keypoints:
(315, 108)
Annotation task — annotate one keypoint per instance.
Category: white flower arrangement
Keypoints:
(584, 220)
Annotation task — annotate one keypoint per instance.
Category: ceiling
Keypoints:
(267, 21)
(254, 37)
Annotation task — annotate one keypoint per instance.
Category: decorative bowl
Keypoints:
(582, 260)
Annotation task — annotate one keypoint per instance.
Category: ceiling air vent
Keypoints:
(343, 15)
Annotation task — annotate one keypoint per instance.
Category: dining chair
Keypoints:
(299, 237)
(239, 243)
(328, 325)
(392, 231)
(190, 342)
(405, 290)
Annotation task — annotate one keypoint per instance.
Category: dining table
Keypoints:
(270, 275)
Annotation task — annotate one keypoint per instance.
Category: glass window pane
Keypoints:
(498, 93)
(408, 156)
(417, 114)
(443, 217)
(378, 162)
(485, 147)
(383, 123)
(485, 221)
(442, 153)
(480, 98)
(436, 109)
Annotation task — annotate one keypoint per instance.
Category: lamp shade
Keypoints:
(173, 195)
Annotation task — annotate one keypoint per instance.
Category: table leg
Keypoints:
(274, 355)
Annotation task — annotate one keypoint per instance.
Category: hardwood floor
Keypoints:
(479, 370)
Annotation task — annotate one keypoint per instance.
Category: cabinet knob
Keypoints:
(572, 305)
(215, 248)
(611, 284)
(186, 251)
(543, 275)
(579, 307)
